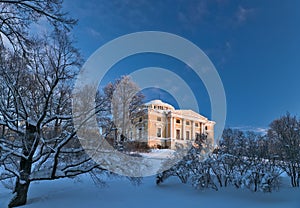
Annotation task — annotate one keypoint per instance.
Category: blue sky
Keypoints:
(254, 45)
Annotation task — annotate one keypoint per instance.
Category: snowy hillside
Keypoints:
(121, 193)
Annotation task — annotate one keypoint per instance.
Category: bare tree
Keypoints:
(227, 157)
(126, 105)
(194, 166)
(285, 133)
(246, 161)
(17, 17)
(38, 139)
(242, 160)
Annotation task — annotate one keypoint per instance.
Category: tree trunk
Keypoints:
(293, 176)
(23, 182)
(256, 178)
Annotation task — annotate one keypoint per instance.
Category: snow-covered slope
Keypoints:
(121, 193)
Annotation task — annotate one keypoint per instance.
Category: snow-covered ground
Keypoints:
(82, 192)
(158, 153)
(121, 193)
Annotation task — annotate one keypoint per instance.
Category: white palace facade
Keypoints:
(163, 126)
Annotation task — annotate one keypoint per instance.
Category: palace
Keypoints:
(165, 127)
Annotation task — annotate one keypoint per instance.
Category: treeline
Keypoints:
(244, 159)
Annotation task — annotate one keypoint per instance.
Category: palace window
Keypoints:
(177, 134)
(140, 133)
(197, 124)
(178, 121)
(197, 137)
(158, 132)
(187, 123)
(158, 118)
(187, 136)
(206, 128)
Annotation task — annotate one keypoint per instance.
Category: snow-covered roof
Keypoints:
(191, 113)
(159, 103)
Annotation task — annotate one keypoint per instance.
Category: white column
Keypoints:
(166, 128)
(174, 128)
(183, 128)
(192, 136)
(171, 126)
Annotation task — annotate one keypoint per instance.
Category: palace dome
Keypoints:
(160, 105)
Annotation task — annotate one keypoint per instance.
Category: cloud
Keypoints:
(258, 130)
(243, 14)
(222, 53)
(131, 14)
(192, 13)
(93, 33)
(227, 45)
